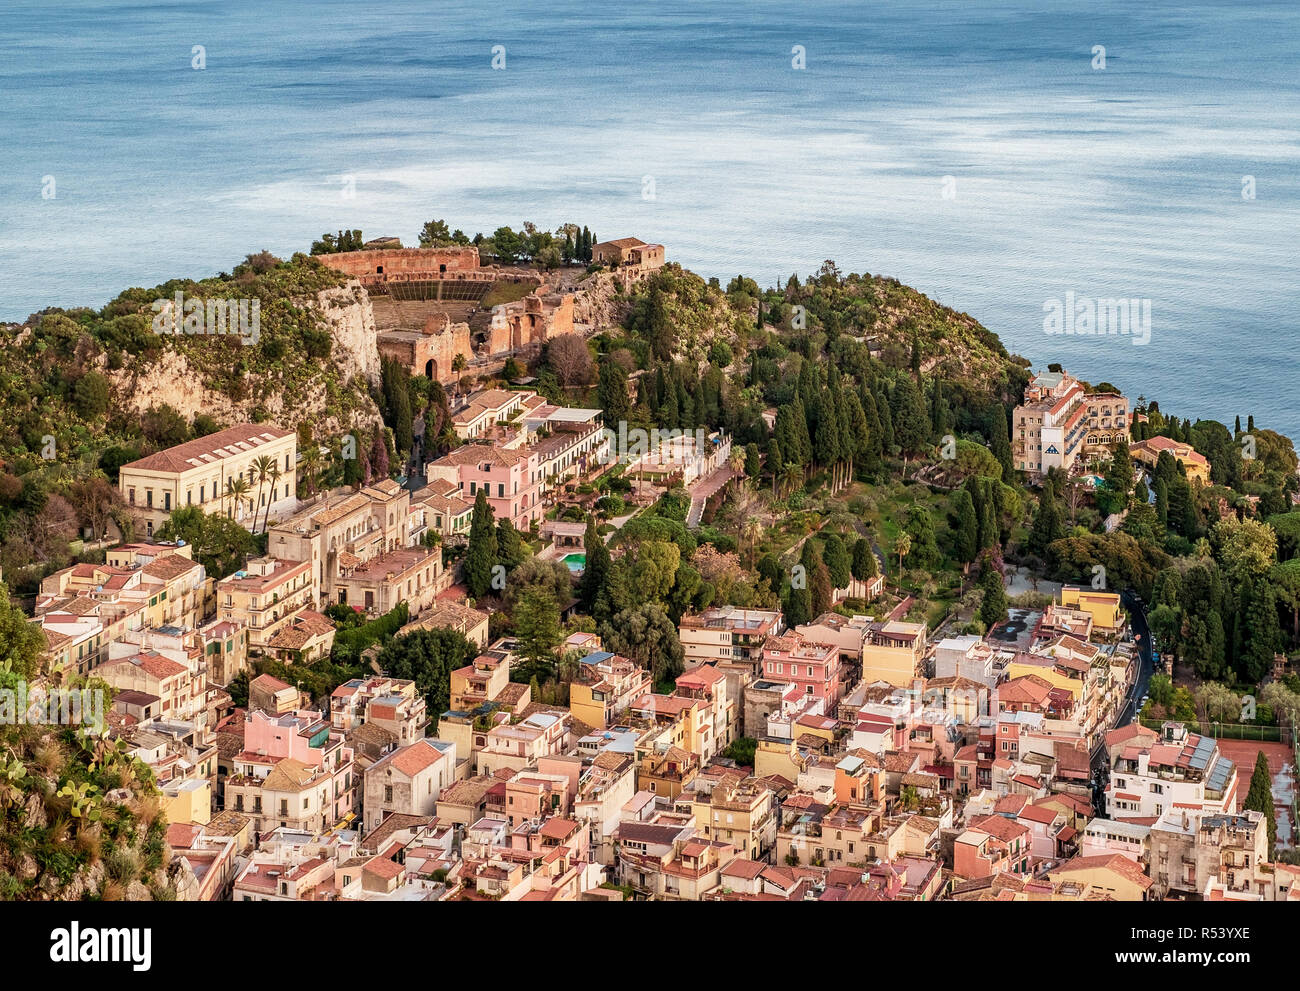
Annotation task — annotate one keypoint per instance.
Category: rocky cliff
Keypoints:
(331, 395)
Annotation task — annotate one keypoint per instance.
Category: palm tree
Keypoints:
(311, 462)
(736, 461)
(792, 474)
(751, 529)
(261, 470)
(272, 476)
(458, 364)
(236, 488)
(902, 549)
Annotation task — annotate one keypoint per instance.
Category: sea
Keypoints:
(995, 155)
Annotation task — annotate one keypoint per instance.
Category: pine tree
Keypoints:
(923, 552)
(537, 624)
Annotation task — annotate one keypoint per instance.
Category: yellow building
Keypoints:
(1112, 875)
(198, 473)
(1195, 464)
(742, 813)
(773, 756)
(666, 772)
(892, 651)
(1103, 607)
(188, 800)
(605, 686)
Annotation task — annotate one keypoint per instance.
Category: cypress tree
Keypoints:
(911, 424)
(999, 443)
(886, 422)
(1259, 798)
(611, 392)
(481, 554)
(1047, 523)
(775, 464)
(965, 527)
(596, 569)
(838, 561)
(510, 546)
(820, 587)
(993, 609)
(864, 565)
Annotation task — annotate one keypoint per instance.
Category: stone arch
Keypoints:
(431, 370)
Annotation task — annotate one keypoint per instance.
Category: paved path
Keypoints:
(701, 491)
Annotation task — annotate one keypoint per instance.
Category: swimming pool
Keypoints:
(575, 562)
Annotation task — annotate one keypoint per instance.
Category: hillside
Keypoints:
(79, 817)
(86, 378)
(681, 316)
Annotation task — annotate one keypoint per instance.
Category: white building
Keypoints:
(1178, 771)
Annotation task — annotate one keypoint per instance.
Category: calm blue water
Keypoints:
(1122, 182)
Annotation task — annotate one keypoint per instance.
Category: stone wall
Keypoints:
(430, 351)
(403, 264)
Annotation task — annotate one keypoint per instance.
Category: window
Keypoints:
(388, 793)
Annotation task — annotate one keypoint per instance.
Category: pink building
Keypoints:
(512, 480)
(991, 845)
(814, 667)
(294, 770)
